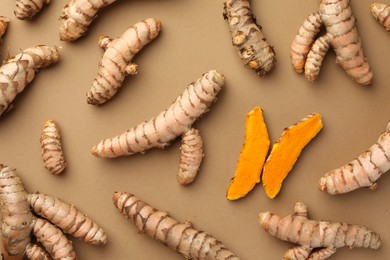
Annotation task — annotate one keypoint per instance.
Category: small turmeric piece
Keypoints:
(68, 218)
(27, 9)
(381, 12)
(182, 238)
(17, 219)
(364, 171)
(169, 124)
(325, 236)
(117, 63)
(286, 151)
(252, 156)
(77, 15)
(3, 26)
(35, 252)
(307, 53)
(191, 156)
(20, 70)
(52, 154)
(247, 37)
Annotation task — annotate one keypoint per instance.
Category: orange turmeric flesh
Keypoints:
(252, 156)
(286, 151)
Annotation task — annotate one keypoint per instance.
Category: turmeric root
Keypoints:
(286, 151)
(35, 252)
(17, 219)
(182, 238)
(68, 218)
(17, 72)
(77, 15)
(252, 156)
(341, 33)
(170, 123)
(309, 234)
(3, 25)
(247, 37)
(116, 62)
(27, 9)
(364, 171)
(191, 156)
(381, 12)
(52, 155)
(53, 240)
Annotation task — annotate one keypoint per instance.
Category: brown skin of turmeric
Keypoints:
(381, 12)
(35, 252)
(27, 9)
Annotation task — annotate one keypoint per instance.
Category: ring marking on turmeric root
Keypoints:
(252, 156)
(364, 171)
(182, 238)
(381, 12)
(19, 71)
(286, 150)
(169, 124)
(3, 26)
(17, 219)
(309, 234)
(68, 218)
(52, 154)
(191, 156)
(117, 63)
(35, 252)
(27, 9)
(247, 37)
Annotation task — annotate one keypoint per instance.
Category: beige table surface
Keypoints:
(195, 39)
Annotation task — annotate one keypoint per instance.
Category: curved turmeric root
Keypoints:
(286, 150)
(364, 171)
(27, 9)
(35, 252)
(381, 12)
(247, 37)
(182, 238)
(17, 72)
(309, 234)
(116, 63)
(3, 25)
(169, 124)
(252, 156)
(341, 33)
(77, 15)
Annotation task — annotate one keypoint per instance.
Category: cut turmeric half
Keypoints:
(252, 156)
(286, 151)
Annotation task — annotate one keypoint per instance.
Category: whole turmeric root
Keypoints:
(17, 72)
(247, 37)
(381, 12)
(17, 219)
(51, 148)
(169, 124)
(182, 238)
(341, 34)
(27, 9)
(116, 63)
(77, 15)
(3, 25)
(68, 218)
(364, 171)
(35, 252)
(325, 236)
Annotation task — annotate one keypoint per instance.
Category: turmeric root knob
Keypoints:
(27, 9)
(381, 12)
(3, 25)
(35, 252)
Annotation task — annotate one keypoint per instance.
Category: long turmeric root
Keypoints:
(364, 171)
(381, 12)
(68, 218)
(77, 15)
(35, 252)
(325, 236)
(17, 72)
(247, 37)
(286, 150)
(252, 156)
(182, 238)
(3, 25)
(116, 62)
(51, 148)
(341, 34)
(170, 123)
(27, 9)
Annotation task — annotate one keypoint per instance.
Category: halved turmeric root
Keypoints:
(286, 151)
(252, 156)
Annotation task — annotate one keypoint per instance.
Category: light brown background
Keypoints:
(195, 39)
